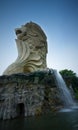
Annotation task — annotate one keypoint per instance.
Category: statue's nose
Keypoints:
(18, 31)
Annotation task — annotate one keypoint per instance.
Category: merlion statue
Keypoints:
(32, 49)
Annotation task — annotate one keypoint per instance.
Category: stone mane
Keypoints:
(32, 50)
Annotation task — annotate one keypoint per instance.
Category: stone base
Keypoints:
(28, 94)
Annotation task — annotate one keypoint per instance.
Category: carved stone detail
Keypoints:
(32, 49)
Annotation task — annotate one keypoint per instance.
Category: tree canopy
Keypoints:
(67, 73)
(70, 78)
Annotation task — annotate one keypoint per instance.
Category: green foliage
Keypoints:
(75, 83)
(76, 93)
(70, 78)
(67, 73)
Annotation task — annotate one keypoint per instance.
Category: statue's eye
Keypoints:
(18, 31)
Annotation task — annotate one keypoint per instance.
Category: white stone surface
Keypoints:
(32, 49)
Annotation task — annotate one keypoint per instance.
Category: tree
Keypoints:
(67, 73)
(70, 78)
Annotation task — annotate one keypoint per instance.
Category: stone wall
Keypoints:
(28, 94)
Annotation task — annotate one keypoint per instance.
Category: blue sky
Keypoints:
(58, 19)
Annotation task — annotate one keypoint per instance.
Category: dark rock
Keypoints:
(27, 94)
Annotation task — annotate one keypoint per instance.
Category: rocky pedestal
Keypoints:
(28, 94)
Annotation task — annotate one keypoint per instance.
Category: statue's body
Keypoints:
(32, 49)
